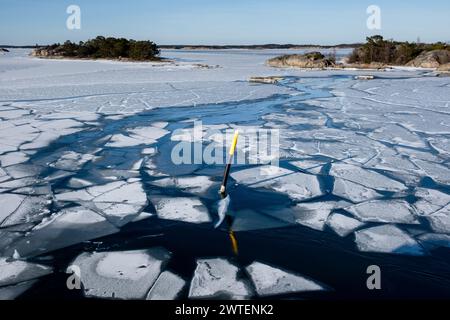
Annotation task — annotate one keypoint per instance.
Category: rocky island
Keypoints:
(311, 60)
(101, 48)
(377, 53)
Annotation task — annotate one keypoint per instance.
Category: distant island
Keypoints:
(376, 53)
(102, 48)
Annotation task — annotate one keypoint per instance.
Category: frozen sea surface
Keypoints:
(86, 176)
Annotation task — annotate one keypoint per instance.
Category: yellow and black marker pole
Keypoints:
(223, 187)
(223, 190)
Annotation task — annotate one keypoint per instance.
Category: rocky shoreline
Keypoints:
(439, 60)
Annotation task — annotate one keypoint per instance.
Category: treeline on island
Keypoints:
(102, 48)
(378, 49)
(376, 53)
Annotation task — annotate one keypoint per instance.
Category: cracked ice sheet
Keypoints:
(16, 271)
(314, 215)
(189, 210)
(438, 172)
(343, 225)
(434, 240)
(430, 201)
(296, 185)
(440, 220)
(137, 136)
(120, 274)
(167, 287)
(271, 281)
(387, 239)
(218, 278)
(63, 229)
(367, 178)
(18, 209)
(389, 211)
(353, 191)
(119, 202)
(194, 184)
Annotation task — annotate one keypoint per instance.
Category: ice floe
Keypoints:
(14, 291)
(72, 161)
(16, 271)
(270, 281)
(315, 214)
(217, 278)
(22, 209)
(387, 239)
(168, 286)
(430, 201)
(434, 240)
(194, 184)
(440, 220)
(390, 211)
(181, 209)
(342, 224)
(367, 178)
(67, 227)
(296, 185)
(353, 191)
(120, 274)
(137, 136)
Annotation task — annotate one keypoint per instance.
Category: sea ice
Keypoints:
(390, 211)
(352, 191)
(16, 271)
(437, 172)
(72, 161)
(430, 201)
(14, 291)
(168, 286)
(67, 227)
(181, 209)
(342, 224)
(30, 209)
(137, 136)
(120, 274)
(434, 240)
(217, 278)
(314, 215)
(296, 185)
(440, 220)
(194, 184)
(13, 158)
(10, 203)
(270, 281)
(367, 178)
(387, 239)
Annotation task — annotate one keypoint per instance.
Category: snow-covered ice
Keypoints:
(353, 191)
(270, 281)
(181, 209)
(65, 228)
(366, 178)
(387, 239)
(120, 274)
(194, 185)
(167, 287)
(16, 271)
(217, 278)
(296, 185)
(440, 220)
(390, 211)
(342, 224)
(314, 215)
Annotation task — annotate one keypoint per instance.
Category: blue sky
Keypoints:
(223, 22)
